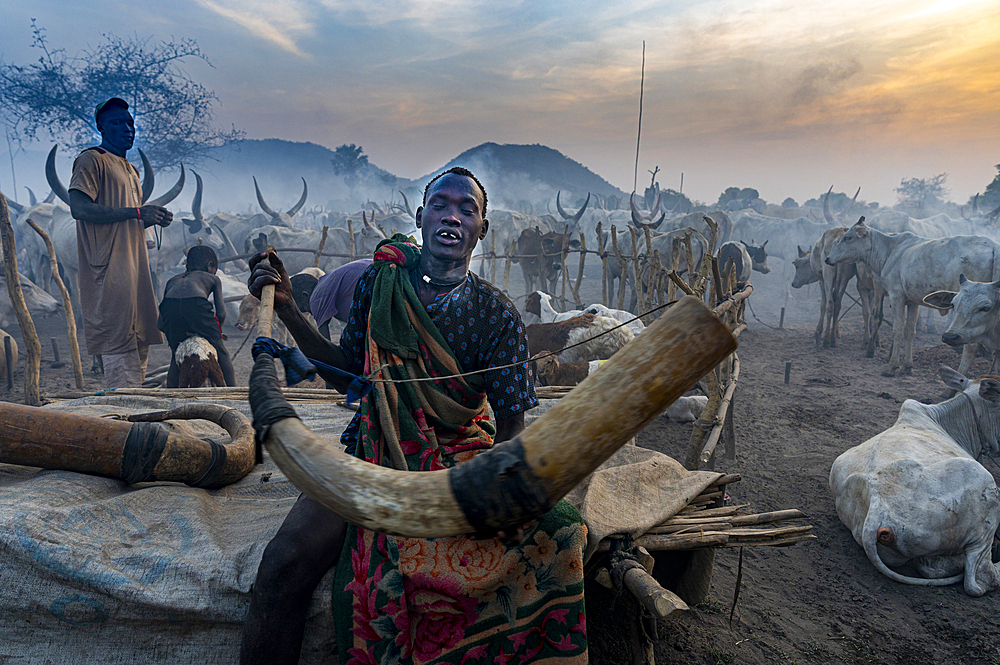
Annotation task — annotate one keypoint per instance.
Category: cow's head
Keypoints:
(853, 246)
(574, 219)
(641, 221)
(758, 254)
(804, 273)
(977, 311)
(983, 395)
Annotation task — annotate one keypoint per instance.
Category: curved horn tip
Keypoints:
(302, 200)
(260, 200)
(53, 177)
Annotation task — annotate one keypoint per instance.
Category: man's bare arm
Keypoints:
(307, 338)
(84, 209)
(220, 303)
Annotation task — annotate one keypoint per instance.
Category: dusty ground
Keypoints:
(820, 602)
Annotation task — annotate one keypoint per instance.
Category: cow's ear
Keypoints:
(860, 230)
(802, 254)
(953, 379)
(989, 390)
(941, 300)
(962, 279)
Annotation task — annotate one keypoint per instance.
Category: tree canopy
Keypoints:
(737, 194)
(991, 197)
(349, 161)
(918, 194)
(56, 95)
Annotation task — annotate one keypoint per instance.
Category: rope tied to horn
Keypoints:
(299, 368)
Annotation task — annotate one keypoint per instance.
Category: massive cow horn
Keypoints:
(137, 451)
(15, 206)
(406, 203)
(516, 480)
(240, 263)
(196, 202)
(50, 198)
(171, 194)
(827, 215)
(579, 213)
(565, 215)
(302, 200)
(53, 177)
(656, 206)
(32, 199)
(148, 178)
(260, 201)
(636, 215)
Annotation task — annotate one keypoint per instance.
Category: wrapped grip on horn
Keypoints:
(498, 490)
(267, 402)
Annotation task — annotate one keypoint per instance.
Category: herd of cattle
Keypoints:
(914, 496)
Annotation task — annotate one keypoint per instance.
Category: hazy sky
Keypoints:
(789, 97)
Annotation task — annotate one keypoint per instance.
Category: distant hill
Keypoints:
(515, 174)
(517, 177)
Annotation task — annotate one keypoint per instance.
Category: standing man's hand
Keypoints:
(262, 274)
(158, 215)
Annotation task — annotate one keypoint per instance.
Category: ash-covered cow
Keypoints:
(977, 316)
(910, 267)
(915, 494)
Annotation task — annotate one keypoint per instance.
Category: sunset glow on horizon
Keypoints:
(787, 97)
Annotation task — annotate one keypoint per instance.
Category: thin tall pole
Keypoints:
(642, 80)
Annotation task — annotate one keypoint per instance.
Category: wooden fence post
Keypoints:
(350, 232)
(322, 244)
(624, 268)
(604, 264)
(74, 344)
(33, 348)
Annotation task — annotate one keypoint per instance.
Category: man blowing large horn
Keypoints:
(418, 312)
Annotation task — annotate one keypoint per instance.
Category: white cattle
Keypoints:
(909, 268)
(977, 316)
(783, 236)
(338, 241)
(915, 494)
(39, 302)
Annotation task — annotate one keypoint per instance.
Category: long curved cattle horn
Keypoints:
(302, 201)
(516, 480)
(15, 206)
(196, 202)
(636, 215)
(50, 198)
(827, 215)
(565, 215)
(32, 199)
(53, 177)
(579, 213)
(656, 206)
(148, 179)
(137, 451)
(406, 203)
(260, 200)
(171, 194)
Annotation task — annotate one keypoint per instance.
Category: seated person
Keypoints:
(418, 312)
(186, 310)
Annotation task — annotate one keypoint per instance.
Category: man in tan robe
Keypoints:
(116, 290)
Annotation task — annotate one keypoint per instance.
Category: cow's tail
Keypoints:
(872, 533)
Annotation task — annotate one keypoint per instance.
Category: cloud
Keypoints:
(278, 22)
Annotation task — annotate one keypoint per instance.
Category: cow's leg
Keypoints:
(912, 316)
(968, 355)
(818, 335)
(898, 307)
(840, 287)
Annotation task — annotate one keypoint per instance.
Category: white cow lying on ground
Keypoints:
(915, 494)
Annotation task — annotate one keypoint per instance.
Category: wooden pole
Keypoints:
(350, 232)
(33, 348)
(579, 272)
(322, 244)
(636, 274)
(562, 264)
(506, 269)
(493, 258)
(265, 316)
(74, 343)
(604, 264)
(543, 283)
(8, 353)
(624, 268)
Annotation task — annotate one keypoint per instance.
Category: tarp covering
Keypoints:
(98, 571)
